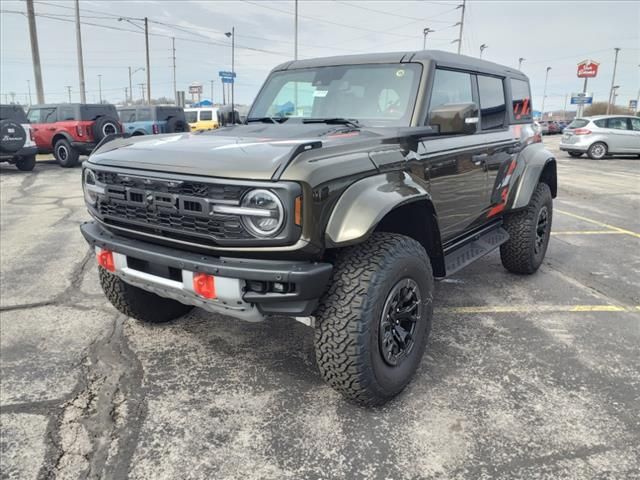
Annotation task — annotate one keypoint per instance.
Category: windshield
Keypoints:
(192, 117)
(375, 95)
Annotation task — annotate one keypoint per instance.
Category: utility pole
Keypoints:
(295, 32)
(544, 94)
(426, 32)
(68, 87)
(211, 91)
(463, 6)
(29, 89)
(613, 79)
(100, 87)
(130, 87)
(483, 47)
(35, 51)
(564, 112)
(83, 96)
(175, 88)
(141, 85)
(126, 95)
(520, 60)
(146, 42)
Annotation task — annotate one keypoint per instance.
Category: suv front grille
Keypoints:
(173, 209)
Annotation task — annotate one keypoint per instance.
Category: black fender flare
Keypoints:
(57, 136)
(535, 163)
(366, 202)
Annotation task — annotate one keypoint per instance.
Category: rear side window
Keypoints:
(206, 115)
(635, 124)
(143, 115)
(617, 123)
(128, 115)
(91, 112)
(521, 101)
(579, 123)
(67, 113)
(493, 108)
(602, 123)
(192, 117)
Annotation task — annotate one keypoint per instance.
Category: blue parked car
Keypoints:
(149, 120)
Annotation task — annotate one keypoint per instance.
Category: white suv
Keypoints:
(16, 138)
(602, 135)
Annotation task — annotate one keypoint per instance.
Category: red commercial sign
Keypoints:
(588, 69)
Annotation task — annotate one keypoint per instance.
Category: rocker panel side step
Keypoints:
(476, 248)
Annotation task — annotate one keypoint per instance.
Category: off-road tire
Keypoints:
(597, 151)
(575, 154)
(518, 254)
(137, 303)
(65, 154)
(176, 125)
(348, 318)
(26, 164)
(105, 127)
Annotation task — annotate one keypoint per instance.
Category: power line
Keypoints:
(391, 14)
(322, 20)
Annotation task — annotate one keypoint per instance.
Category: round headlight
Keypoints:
(269, 213)
(88, 180)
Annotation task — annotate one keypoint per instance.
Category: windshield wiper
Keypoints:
(277, 120)
(351, 122)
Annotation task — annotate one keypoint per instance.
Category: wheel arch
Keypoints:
(384, 203)
(59, 136)
(535, 165)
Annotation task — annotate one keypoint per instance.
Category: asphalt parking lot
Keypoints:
(524, 377)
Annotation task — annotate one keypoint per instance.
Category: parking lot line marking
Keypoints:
(537, 309)
(601, 224)
(589, 232)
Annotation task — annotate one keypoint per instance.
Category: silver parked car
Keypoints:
(602, 135)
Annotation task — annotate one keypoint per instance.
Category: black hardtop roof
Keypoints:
(440, 57)
(50, 105)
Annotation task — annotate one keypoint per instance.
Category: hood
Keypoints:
(243, 151)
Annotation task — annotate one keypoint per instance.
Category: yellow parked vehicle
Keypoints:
(202, 118)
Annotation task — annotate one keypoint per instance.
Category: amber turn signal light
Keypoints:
(298, 211)
(105, 260)
(204, 285)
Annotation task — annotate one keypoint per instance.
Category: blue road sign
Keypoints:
(224, 74)
(581, 99)
(227, 80)
(633, 104)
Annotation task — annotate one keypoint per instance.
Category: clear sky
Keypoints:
(558, 34)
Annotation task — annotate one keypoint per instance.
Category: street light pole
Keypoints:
(100, 87)
(544, 94)
(520, 60)
(146, 42)
(426, 32)
(68, 87)
(232, 35)
(29, 89)
(613, 79)
(211, 92)
(483, 47)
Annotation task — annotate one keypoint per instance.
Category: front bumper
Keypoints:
(306, 281)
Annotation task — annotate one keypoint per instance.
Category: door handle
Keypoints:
(478, 159)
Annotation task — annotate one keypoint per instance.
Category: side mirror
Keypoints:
(455, 118)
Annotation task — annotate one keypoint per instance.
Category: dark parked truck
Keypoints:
(355, 182)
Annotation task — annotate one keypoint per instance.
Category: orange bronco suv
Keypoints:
(72, 129)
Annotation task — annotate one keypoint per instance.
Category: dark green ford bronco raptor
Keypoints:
(354, 183)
